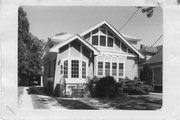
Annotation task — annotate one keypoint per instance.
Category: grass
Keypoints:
(137, 102)
(74, 104)
(41, 100)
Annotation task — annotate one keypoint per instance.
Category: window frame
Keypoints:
(121, 69)
(114, 69)
(84, 69)
(109, 69)
(97, 40)
(74, 73)
(101, 40)
(108, 42)
(66, 68)
(101, 68)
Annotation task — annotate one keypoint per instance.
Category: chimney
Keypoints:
(142, 46)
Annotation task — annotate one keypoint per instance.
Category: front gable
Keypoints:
(105, 37)
(72, 39)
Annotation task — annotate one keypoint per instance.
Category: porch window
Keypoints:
(110, 42)
(83, 69)
(66, 69)
(114, 69)
(100, 68)
(107, 68)
(75, 68)
(121, 66)
(102, 40)
(95, 40)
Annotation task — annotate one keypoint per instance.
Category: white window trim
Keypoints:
(98, 68)
(80, 68)
(111, 61)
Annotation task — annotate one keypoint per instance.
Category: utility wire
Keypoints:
(156, 41)
(129, 19)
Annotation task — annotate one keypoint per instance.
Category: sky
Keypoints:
(46, 21)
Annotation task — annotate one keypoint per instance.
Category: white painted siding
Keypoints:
(131, 68)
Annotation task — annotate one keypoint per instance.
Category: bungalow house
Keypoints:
(156, 64)
(99, 51)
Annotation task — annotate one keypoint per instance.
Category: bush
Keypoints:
(146, 75)
(91, 83)
(134, 87)
(106, 87)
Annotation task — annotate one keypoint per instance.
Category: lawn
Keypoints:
(136, 102)
(42, 100)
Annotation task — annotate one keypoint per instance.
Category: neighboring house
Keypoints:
(148, 51)
(156, 64)
(99, 51)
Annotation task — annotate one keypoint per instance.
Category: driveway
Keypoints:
(37, 98)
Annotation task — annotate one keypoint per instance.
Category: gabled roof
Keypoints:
(149, 49)
(61, 37)
(65, 42)
(116, 32)
(157, 58)
(131, 38)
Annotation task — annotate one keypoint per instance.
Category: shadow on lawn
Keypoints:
(74, 104)
(134, 103)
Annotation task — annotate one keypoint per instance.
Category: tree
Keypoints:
(146, 75)
(29, 51)
(147, 10)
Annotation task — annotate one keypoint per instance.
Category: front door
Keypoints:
(74, 70)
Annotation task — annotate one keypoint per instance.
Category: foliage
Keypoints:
(146, 75)
(148, 11)
(106, 87)
(91, 85)
(29, 51)
(135, 87)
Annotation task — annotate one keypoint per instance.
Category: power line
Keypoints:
(129, 19)
(156, 41)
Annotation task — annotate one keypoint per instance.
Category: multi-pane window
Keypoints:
(110, 42)
(75, 68)
(83, 69)
(121, 69)
(110, 34)
(107, 68)
(95, 40)
(102, 37)
(102, 40)
(66, 69)
(103, 30)
(100, 68)
(114, 69)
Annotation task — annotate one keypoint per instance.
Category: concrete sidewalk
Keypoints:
(34, 98)
(26, 100)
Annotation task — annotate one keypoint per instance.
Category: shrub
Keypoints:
(146, 75)
(106, 87)
(135, 87)
(91, 83)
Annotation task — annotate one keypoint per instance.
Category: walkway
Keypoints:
(34, 98)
